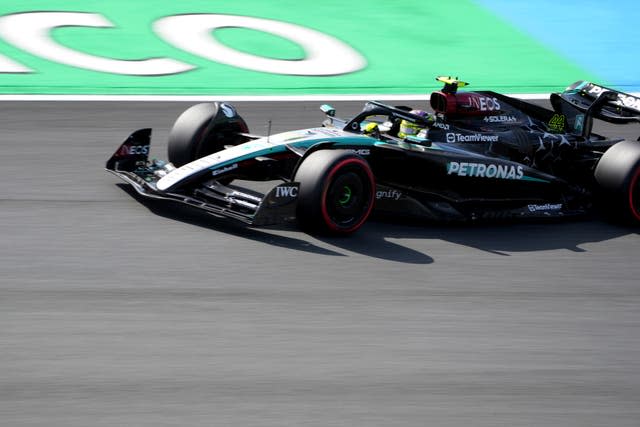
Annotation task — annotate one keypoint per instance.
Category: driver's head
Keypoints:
(371, 128)
(411, 129)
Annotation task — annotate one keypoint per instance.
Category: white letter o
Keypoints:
(30, 32)
(325, 55)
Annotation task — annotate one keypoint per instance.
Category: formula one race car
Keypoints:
(478, 155)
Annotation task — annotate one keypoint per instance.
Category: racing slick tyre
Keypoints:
(204, 129)
(336, 194)
(618, 177)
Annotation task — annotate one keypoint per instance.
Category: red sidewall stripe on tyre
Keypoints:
(632, 186)
(332, 172)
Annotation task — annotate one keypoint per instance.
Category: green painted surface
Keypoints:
(260, 43)
(406, 44)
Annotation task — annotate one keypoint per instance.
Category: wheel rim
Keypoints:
(348, 198)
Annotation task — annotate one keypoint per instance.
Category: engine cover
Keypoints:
(464, 104)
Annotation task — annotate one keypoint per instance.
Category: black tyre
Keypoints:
(337, 192)
(618, 177)
(204, 129)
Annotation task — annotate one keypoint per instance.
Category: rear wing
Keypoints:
(618, 107)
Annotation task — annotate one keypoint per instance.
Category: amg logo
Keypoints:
(481, 170)
(286, 192)
(362, 151)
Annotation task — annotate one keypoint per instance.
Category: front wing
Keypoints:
(230, 201)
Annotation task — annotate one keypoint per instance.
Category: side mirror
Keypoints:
(328, 110)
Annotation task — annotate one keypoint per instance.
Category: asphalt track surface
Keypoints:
(115, 311)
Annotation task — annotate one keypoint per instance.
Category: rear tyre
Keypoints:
(204, 129)
(618, 177)
(337, 192)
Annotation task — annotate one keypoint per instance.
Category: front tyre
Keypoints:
(205, 129)
(337, 192)
(618, 177)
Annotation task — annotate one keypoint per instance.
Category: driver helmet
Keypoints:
(371, 128)
(411, 129)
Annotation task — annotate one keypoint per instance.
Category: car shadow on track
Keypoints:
(186, 214)
(373, 241)
(368, 243)
(499, 238)
(376, 238)
(380, 237)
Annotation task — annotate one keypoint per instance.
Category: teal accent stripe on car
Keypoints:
(532, 179)
(356, 141)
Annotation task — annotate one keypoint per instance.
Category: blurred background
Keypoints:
(198, 47)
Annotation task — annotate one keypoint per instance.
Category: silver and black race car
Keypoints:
(477, 155)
